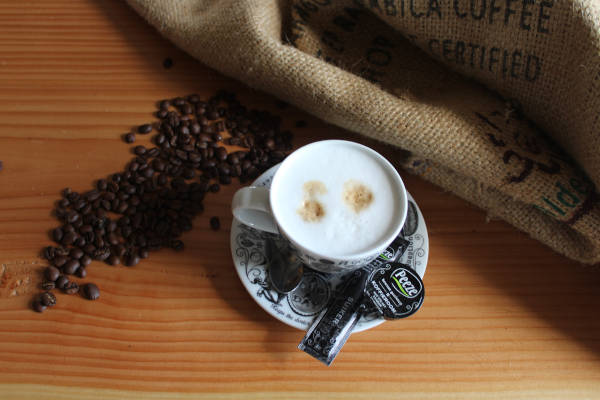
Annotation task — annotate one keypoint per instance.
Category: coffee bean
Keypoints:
(85, 260)
(224, 169)
(48, 299)
(51, 273)
(246, 164)
(144, 129)
(143, 253)
(133, 166)
(70, 267)
(87, 209)
(69, 238)
(81, 272)
(193, 98)
(112, 238)
(91, 291)
(147, 172)
(233, 158)
(111, 226)
(113, 260)
(61, 282)
(89, 249)
(129, 137)
(76, 253)
(177, 245)
(186, 109)
(208, 164)
(60, 261)
(139, 150)
(121, 208)
(252, 172)
(219, 126)
(106, 205)
(188, 173)
(164, 105)
(167, 63)
(71, 288)
(204, 137)
(73, 197)
(131, 259)
(38, 306)
(212, 115)
(63, 203)
(195, 128)
(49, 253)
(270, 144)
(48, 285)
(214, 187)
(101, 254)
(215, 223)
(221, 153)
(224, 179)
(57, 235)
(160, 139)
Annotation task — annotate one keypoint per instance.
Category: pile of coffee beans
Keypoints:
(149, 204)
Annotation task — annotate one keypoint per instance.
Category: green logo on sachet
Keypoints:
(407, 283)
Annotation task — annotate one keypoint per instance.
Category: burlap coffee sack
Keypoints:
(431, 77)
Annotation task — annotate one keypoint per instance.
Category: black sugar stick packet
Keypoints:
(391, 289)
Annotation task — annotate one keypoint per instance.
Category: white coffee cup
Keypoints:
(338, 203)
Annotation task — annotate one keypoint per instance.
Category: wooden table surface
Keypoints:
(504, 317)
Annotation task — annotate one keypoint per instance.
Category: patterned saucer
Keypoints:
(301, 306)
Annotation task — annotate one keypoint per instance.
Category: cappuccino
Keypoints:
(336, 198)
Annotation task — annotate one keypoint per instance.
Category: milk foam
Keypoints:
(341, 230)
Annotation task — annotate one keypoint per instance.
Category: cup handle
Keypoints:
(251, 206)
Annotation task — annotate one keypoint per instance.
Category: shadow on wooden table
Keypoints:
(563, 294)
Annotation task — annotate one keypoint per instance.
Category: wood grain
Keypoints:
(504, 316)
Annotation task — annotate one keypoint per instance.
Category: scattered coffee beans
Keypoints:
(81, 272)
(38, 306)
(91, 291)
(215, 223)
(70, 267)
(143, 129)
(177, 245)
(61, 282)
(52, 273)
(71, 288)
(129, 137)
(48, 285)
(167, 63)
(152, 202)
(48, 299)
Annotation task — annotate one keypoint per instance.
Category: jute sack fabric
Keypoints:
(496, 101)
